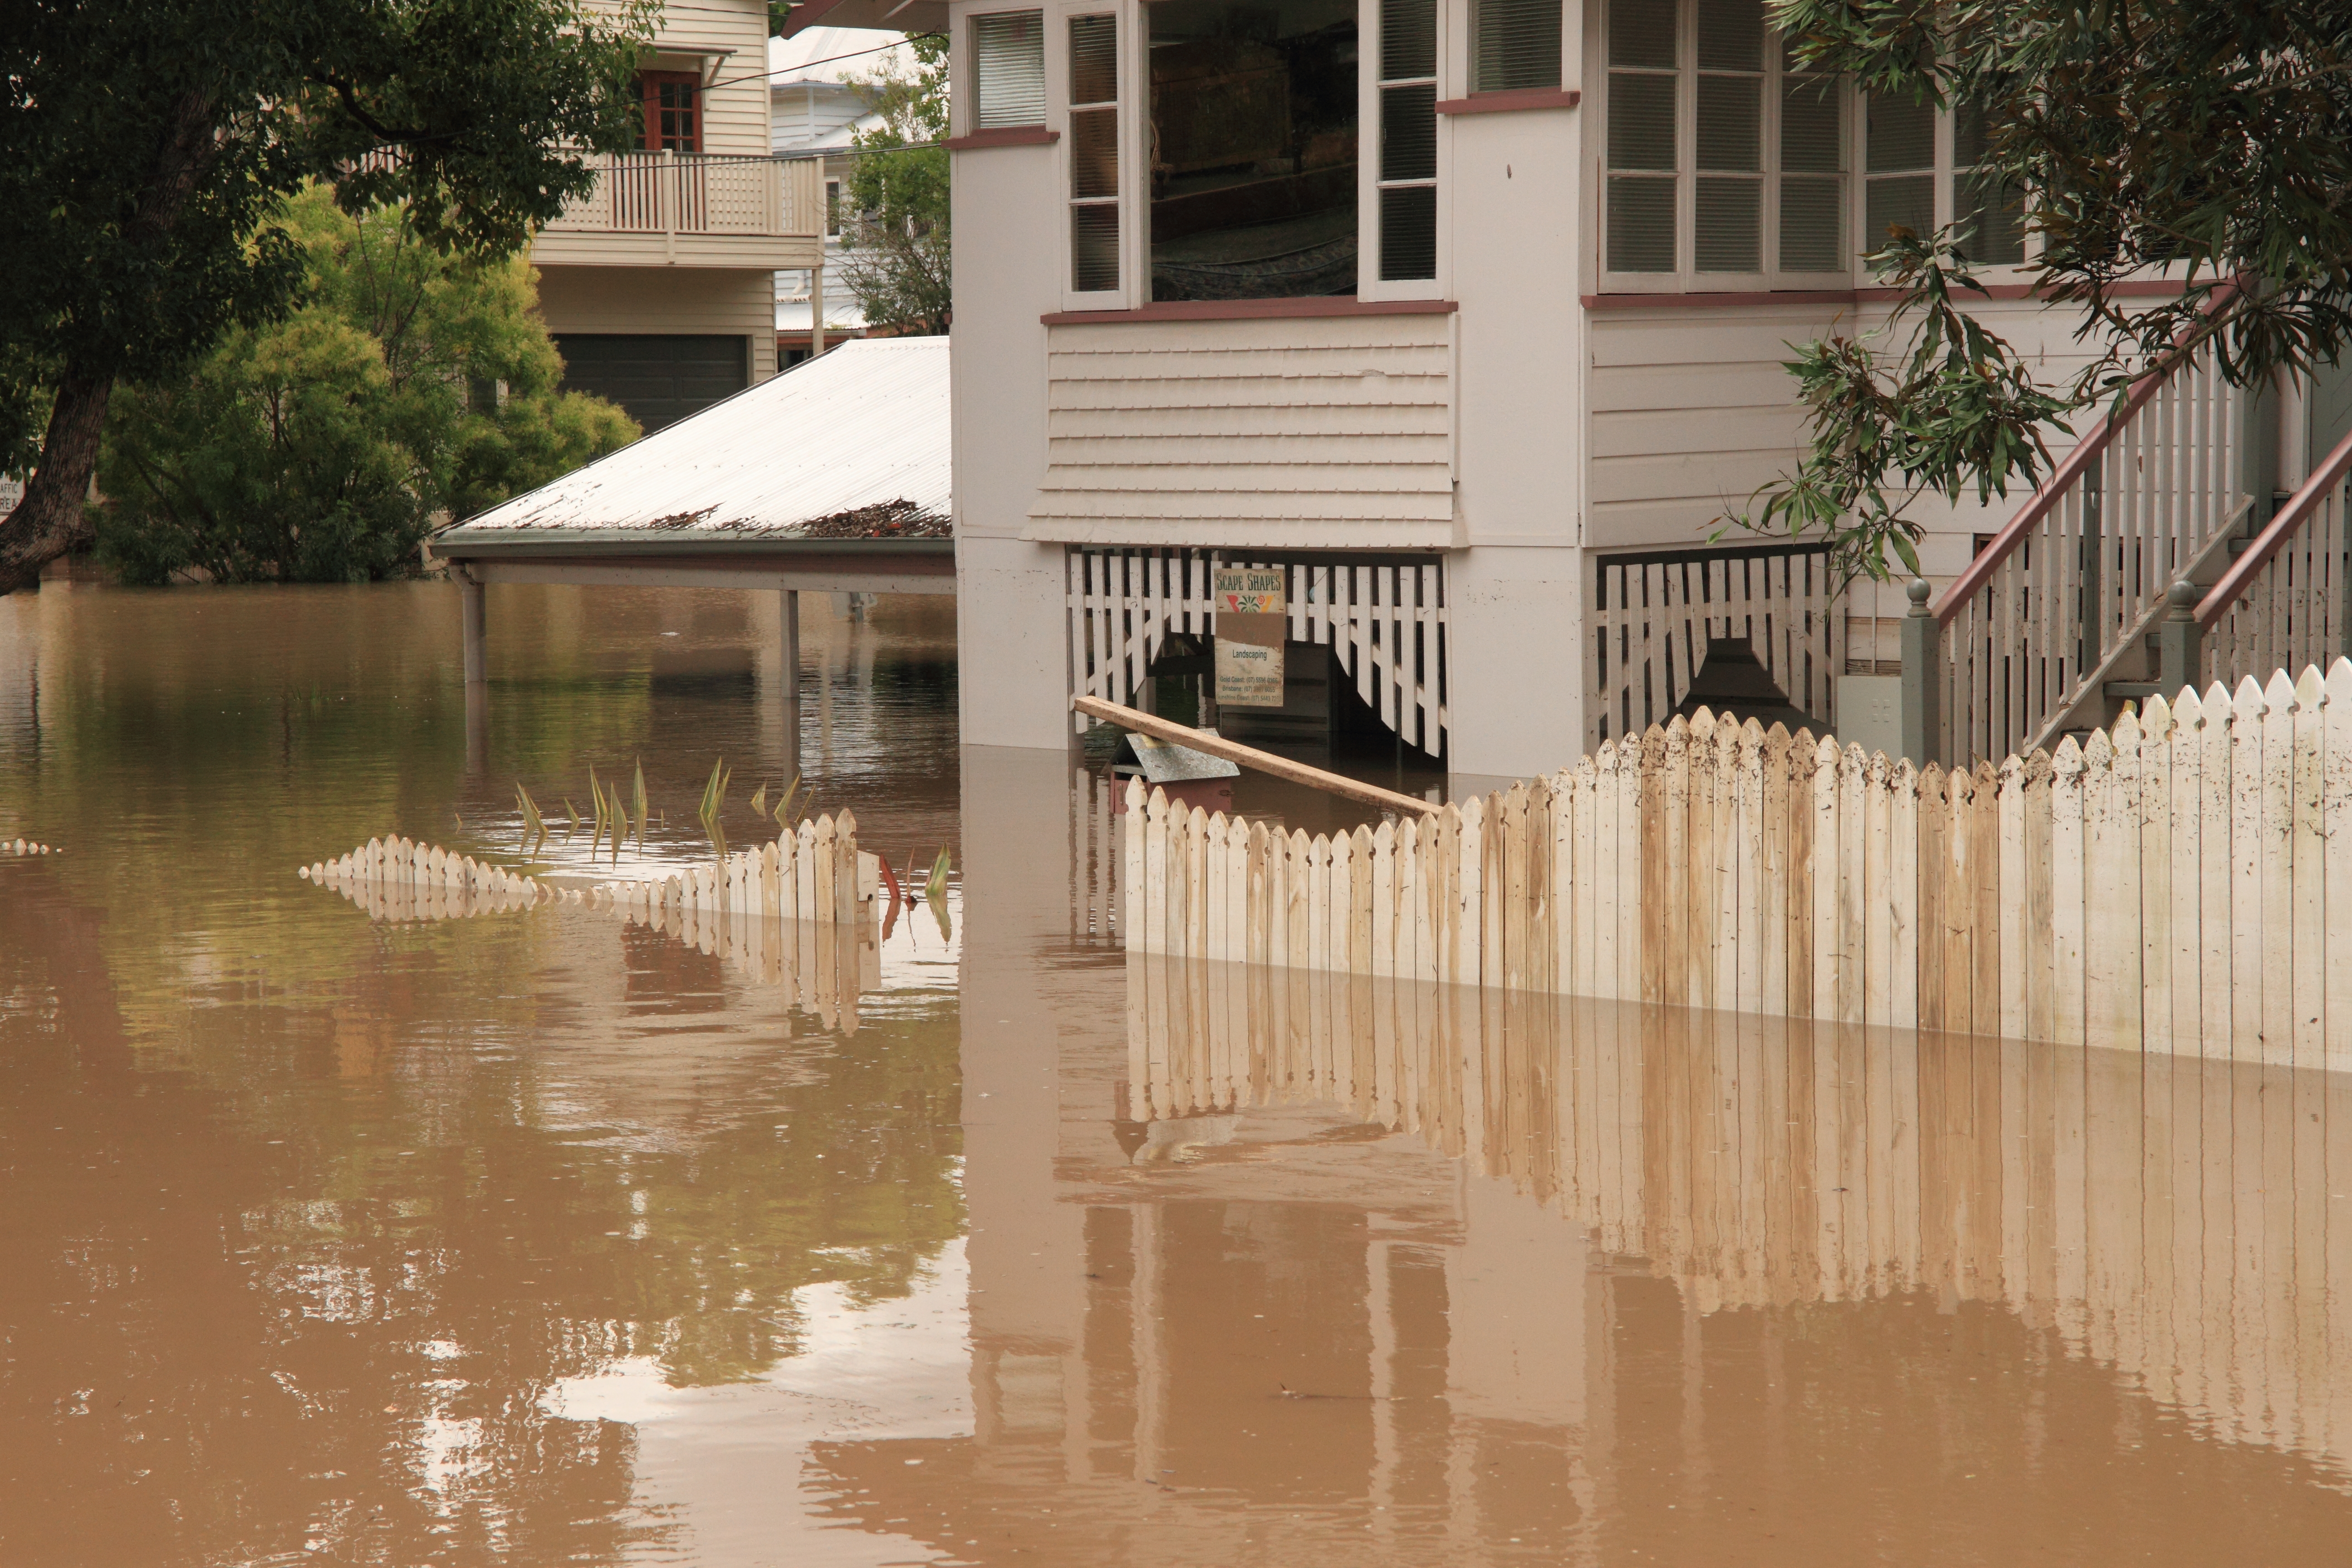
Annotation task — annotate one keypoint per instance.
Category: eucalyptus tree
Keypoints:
(145, 148)
(2208, 142)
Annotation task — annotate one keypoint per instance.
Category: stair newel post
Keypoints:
(2180, 640)
(1922, 678)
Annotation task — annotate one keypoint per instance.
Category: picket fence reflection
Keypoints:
(2170, 1216)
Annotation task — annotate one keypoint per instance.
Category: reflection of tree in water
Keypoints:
(306, 1268)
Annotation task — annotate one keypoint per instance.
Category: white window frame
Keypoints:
(1132, 258)
(1686, 279)
(1369, 286)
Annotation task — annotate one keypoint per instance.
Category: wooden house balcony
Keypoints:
(692, 209)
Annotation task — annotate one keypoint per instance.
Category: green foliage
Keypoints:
(2213, 143)
(894, 225)
(321, 447)
(145, 150)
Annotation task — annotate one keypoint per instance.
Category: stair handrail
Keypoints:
(2071, 467)
(2289, 521)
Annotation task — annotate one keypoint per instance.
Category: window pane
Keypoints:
(1998, 213)
(1731, 231)
(1008, 69)
(1094, 153)
(1641, 121)
(1813, 224)
(1731, 34)
(1971, 135)
(1408, 39)
(1902, 136)
(1641, 225)
(1731, 133)
(1514, 43)
(1642, 33)
(1253, 147)
(1909, 201)
(1094, 246)
(1409, 233)
(1812, 126)
(1094, 60)
(1409, 133)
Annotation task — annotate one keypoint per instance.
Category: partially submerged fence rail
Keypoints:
(2167, 886)
(817, 873)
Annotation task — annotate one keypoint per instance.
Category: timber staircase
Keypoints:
(2139, 567)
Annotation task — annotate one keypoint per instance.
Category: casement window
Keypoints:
(1008, 69)
(673, 110)
(1724, 166)
(1407, 178)
(1093, 155)
(1514, 45)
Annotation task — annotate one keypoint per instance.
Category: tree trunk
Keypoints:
(48, 521)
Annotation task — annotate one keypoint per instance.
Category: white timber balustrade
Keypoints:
(2284, 602)
(2064, 598)
(699, 193)
(2168, 886)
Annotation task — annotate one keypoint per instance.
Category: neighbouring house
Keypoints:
(816, 112)
(1468, 316)
(659, 287)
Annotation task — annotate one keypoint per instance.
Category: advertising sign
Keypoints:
(1253, 619)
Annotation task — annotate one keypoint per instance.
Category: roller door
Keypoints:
(659, 379)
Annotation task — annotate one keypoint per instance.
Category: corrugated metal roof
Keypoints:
(863, 426)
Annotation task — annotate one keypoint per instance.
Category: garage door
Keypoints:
(658, 379)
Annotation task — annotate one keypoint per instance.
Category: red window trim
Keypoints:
(650, 85)
(1249, 310)
(1511, 98)
(1002, 136)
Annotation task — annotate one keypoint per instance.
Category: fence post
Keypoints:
(2178, 640)
(1922, 682)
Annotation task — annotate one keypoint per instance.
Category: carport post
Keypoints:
(474, 618)
(790, 683)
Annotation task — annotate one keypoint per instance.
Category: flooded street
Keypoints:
(540, 1237)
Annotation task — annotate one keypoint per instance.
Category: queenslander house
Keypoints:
(1467, 319)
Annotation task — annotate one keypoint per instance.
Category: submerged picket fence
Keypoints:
(24, 846)
(816, 873)
(2167, 885)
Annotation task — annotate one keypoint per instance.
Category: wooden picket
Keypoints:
(817, 874)
(24, 846)
(2168, 886)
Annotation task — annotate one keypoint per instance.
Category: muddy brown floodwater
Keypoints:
(538, 1237)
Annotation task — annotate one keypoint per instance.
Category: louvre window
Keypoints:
(1899, 169)
(1724, 160)
(1514, 43)
(1408, 179)
(1094, 154)
(1008, 69)
(1993, 207)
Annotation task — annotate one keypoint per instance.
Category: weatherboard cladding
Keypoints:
(863, 426)
(1317, 430)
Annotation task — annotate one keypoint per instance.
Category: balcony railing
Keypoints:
(698, 193)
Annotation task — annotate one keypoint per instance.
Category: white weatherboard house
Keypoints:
(1471, 314)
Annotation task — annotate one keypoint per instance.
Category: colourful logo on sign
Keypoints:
(1250, 590)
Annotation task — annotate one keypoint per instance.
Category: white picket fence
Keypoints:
(817, 874)
(2167, 886)
(24, 846)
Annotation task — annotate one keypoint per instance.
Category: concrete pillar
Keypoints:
(789, 679)
(1923, 687)
(474, 621)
